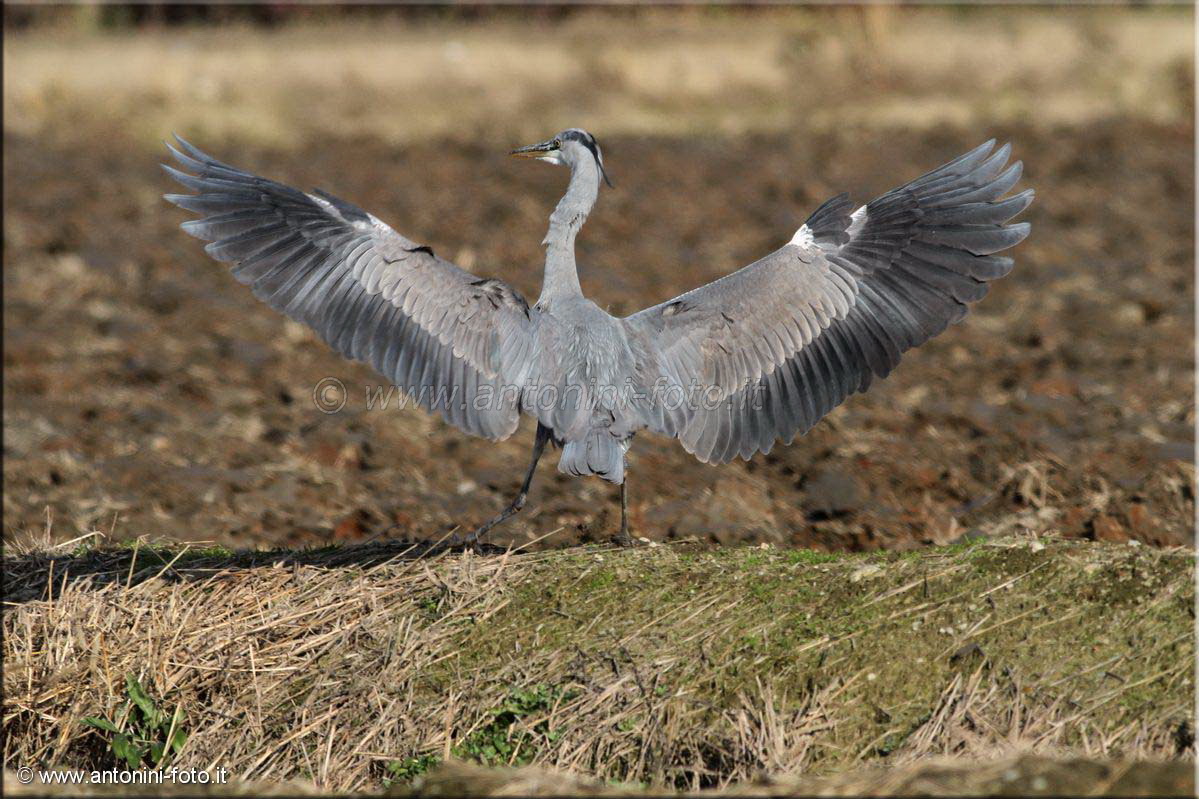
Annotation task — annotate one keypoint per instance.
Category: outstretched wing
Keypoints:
(453, 340)
(765, 352)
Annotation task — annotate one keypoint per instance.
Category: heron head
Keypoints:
(568, 148)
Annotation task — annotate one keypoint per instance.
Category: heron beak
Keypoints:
(534, 150)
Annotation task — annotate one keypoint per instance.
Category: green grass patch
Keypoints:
(141, 734)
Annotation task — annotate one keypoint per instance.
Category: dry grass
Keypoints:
(668, 667)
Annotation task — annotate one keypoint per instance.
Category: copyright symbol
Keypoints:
(329, 395)
(24, 775)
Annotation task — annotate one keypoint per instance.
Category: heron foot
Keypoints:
(623, 539)
(476, 537)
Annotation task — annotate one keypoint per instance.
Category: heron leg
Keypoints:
(543, 437)
(623, 538)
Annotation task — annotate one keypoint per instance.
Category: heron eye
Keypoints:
(557, 144)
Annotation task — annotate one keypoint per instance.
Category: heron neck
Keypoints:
(561, 273)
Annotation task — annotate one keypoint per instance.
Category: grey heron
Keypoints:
(729, 368)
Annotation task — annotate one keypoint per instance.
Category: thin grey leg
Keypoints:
(623, 538)
(543, 437)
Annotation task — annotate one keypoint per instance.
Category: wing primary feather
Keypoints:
(336, 268)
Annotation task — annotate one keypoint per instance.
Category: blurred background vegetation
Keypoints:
(278, 72)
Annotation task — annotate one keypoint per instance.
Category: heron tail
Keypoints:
(598, 453)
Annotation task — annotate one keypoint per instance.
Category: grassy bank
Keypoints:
(360, 668)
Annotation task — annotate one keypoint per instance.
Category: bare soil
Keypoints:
(147, 392)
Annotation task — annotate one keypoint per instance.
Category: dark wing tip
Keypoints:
(191, 181)
(1018, 232)
(194, 158)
